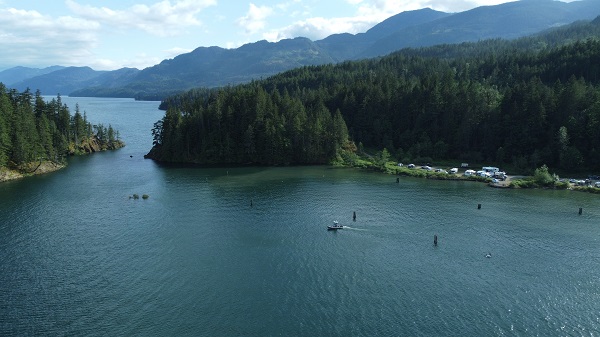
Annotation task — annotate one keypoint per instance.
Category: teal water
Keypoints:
(245, 251)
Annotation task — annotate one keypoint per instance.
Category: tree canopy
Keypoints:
(32, 129)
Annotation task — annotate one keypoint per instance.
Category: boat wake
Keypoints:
(354, 229)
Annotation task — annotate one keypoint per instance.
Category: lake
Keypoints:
(245, 251)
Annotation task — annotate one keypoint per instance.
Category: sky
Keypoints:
(112, 34)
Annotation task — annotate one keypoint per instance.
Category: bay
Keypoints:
(245, 251)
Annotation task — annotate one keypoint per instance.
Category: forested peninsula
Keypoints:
(523, 103)
(36, 136)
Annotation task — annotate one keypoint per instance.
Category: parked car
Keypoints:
(411, 166)
(454, 170)
(484, 174)
(469, 173)
(500, 175)
(597, 184)
(425, 167)
(400, 164)
(441, 171)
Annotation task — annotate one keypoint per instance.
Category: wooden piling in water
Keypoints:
(478, 206)
(354, 216)
(435, 240)
(580, 210)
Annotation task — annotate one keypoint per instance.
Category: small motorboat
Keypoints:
(335, 226)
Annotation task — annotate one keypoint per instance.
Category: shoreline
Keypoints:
(511, 181)
(48, 166)
(44, 167)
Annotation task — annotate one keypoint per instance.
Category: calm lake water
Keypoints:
(245, 251)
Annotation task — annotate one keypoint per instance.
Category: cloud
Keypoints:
(30, 38)
(171, 53)
(387, 8)
(454, 6)
(255, 20)
(139, 61)
(317, 28)
(161, 19)
(284, 6)
(368, 13)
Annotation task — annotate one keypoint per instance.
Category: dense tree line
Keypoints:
(32, 129)
(523, 106)
(248, 124)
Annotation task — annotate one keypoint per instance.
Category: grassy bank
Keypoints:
(541, 178)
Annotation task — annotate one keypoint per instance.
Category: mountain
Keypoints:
(18, 74)
(215, 66)
(507, 21)
(107, 84)
(68, 79)
(346, 46)
(62, 81)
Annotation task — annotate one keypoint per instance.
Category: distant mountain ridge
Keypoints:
(215, 66)
(68, 79)
(18, 74)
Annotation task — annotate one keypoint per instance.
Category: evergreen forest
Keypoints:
(523, 103)
(33, 130)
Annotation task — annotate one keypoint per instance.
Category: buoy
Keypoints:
(130, 156)
(354, 216)
(251, 205)
(580, 210)
(478, 206)
(435, 240)
(488, 255)
(397, 180)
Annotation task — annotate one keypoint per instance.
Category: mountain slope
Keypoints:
(66, 80)
(62, 81)
(215, 66)
(508, 21)
(18, 74)
(347, 46)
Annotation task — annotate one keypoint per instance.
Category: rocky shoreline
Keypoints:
(47, 166)
(28, 170)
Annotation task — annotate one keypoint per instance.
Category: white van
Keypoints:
(454, 170)
(490, 169)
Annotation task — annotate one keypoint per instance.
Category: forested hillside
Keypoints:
(33, 130)
(492, 101)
